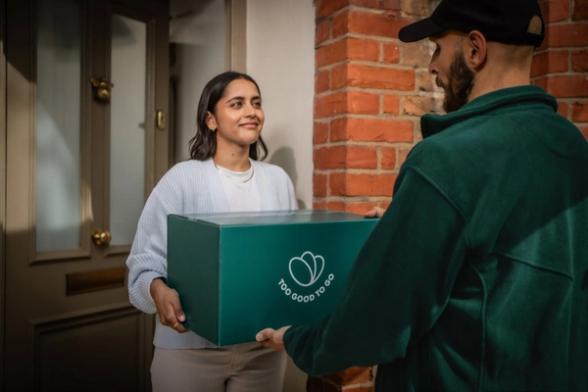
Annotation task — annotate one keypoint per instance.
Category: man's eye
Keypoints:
(435, 53)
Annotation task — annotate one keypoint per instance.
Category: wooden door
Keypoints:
(86, 140)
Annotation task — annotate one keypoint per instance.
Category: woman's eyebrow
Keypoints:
(240, 98)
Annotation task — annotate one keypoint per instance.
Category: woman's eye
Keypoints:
(236, 104)
(256, 104)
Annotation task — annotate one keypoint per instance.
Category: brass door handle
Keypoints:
(101, 238)
(160, 119)
(101, 89)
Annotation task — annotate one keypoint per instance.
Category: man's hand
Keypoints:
(375, 212)
(167, 302)
(272, 338)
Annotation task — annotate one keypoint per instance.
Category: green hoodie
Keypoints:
(476, 277)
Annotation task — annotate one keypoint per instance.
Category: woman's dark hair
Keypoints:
(203, 144)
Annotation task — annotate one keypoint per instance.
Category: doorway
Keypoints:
(86, 140)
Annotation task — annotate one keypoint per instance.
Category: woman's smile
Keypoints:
(250, 125)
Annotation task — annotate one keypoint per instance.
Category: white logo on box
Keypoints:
(306, 271)
(314, 264)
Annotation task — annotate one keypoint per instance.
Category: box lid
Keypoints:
(230, 219)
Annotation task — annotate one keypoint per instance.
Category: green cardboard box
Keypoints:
(238, 273)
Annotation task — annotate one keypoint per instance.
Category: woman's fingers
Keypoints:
(177, 313)
(169, 307)
(173, 317)
(176, 306)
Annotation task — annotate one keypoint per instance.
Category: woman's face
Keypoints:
(238, 117)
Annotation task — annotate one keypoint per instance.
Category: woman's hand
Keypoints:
(167, 302)
(272, 338)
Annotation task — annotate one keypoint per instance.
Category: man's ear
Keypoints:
(475, 50)
(211, 121)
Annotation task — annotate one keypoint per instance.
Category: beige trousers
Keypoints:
(240, 368)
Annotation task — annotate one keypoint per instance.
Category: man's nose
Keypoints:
(433, 68)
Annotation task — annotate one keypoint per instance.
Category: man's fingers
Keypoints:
(264, 334)
(376, 212)
(371, 213)
(272, 338)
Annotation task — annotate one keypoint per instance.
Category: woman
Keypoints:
(223, 175)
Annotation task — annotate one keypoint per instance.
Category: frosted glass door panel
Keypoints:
(127, 127)
(58, 126)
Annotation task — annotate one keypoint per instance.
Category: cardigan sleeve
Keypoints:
(148, 257)
(292, 202)
(398, 287)
(282, 185)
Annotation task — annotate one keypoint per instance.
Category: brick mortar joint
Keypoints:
(571, 48)
(381, 38)
(383, 65)
(567, 22)
(551, 50)
(333, 14)
(370, 63)
(548, 76)
(359, 143)
(400, 13)
(368, 144)
(355, 7)
(331, 41)
(379, 116)
(567, 73)
(375, 38)
(383, 91)
(329, 67)
(353, 199)
(356, 171)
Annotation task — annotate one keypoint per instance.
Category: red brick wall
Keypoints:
(561, 64)
(370, 92)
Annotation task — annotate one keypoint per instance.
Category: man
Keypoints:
(476, 277)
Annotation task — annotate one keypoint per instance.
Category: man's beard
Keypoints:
(459, 84)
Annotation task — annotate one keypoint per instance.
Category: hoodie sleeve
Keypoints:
(398, 287)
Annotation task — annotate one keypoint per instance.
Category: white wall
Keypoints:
(197, 30)
(280, 56)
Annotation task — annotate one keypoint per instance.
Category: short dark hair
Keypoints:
(203, 144)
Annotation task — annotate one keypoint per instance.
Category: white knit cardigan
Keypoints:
(187, 188)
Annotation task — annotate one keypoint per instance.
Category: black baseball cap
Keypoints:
(507, 21)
